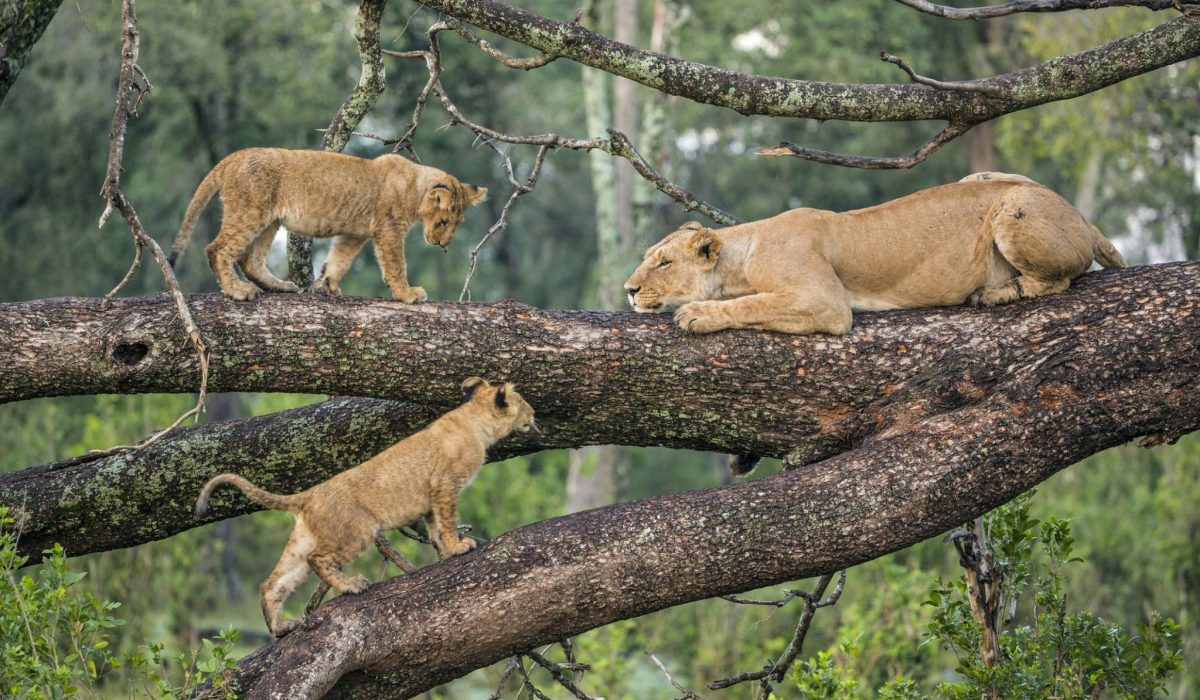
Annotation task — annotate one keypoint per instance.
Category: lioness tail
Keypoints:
(1106, 254)
(273, 501)
(208, 187)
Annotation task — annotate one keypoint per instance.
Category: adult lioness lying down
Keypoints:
(988, 239)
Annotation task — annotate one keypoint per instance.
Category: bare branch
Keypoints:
(559, 673)
(967, 85)
(687, 694)
(115, 199)
(1010, 8)
(943, 137)
(537, 61)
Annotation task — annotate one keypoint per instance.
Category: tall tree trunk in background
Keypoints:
(981, 141)
(226, 407)
(668, 16)
(593, 474)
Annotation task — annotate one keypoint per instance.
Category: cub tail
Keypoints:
(208, 187)
(1105, 252)
(273, 501)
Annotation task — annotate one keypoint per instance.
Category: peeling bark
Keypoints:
(1062, 78)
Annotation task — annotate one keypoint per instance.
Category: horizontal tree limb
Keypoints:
(594, 378)
(1019, 6)
(1059, 79)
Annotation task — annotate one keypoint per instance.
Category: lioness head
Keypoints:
(501, 401)
(678, 269)
(443, 207)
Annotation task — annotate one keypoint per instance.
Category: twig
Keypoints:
(115, 199)
(687, 694)
(943, 137)
(558, 672)
(616, 145)
(1010, 8)
(502, 222)
(965, 85)
(512, 667)
(527, 682)
(776, 670)
(537, 61)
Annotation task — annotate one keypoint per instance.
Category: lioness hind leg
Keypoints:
(254, 263)
(1044, 238)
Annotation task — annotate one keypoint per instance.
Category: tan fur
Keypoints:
(322, 195)
(988, 239)
(419, 477)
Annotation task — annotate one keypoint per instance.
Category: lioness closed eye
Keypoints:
(419, 477)
(988, 239)
(321, 195)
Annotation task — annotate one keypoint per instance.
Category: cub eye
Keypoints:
(663, 264)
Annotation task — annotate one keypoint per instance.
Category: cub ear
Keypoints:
(502, 397)
(471, 384)
(474, 194)
(706, 244)
(440, 195)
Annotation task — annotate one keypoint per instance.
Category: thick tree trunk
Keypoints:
(594, 378)
(22, 23)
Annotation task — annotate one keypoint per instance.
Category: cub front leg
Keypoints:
(443, 520)
(389, 249)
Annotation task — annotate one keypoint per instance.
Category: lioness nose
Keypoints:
(632, 290)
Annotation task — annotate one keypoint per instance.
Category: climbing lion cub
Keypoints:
(988, 239)
(419, 477)
(321, 194)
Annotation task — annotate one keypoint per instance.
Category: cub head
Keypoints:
(443, 207)
(678, 269)
(501, 401)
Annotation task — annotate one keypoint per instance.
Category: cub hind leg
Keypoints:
(1044, 238)
(254, 263)
(289, 572)
(231, 244)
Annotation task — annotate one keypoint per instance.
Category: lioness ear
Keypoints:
(471, 384)
(475, 195)
(691, 226)
(502, 397)
(706, 244)
(440, 195)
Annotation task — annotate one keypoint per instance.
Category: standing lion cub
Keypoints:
(419, 477)
(988, 239)
(321, 194)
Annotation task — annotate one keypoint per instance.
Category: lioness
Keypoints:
(419, 477)
(321, 194)
(988, 239)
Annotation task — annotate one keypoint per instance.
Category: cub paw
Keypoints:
(324, 285)
(701, 317)
(246, 292)
(285, 627)
(412, 295)
(356, 584)
(464, 545)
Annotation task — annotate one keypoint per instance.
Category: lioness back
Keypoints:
(989, 240)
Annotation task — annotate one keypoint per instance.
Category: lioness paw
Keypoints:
(701, 317)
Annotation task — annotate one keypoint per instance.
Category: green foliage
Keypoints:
(821, 677)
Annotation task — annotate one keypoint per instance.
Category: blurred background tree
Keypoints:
(230, 74)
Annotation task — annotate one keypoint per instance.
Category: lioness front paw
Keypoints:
(701, 317)
(412, 295)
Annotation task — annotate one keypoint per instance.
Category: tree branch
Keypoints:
(1011, 8)
(22, 23)
(589, 375)
(1059, 79)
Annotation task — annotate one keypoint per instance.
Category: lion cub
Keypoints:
(321, 194)
(420, 476)
(988, 239)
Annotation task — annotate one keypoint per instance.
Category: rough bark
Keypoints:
(22, 23)
(595, 378)
(1087, 376)
(1062, 78)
